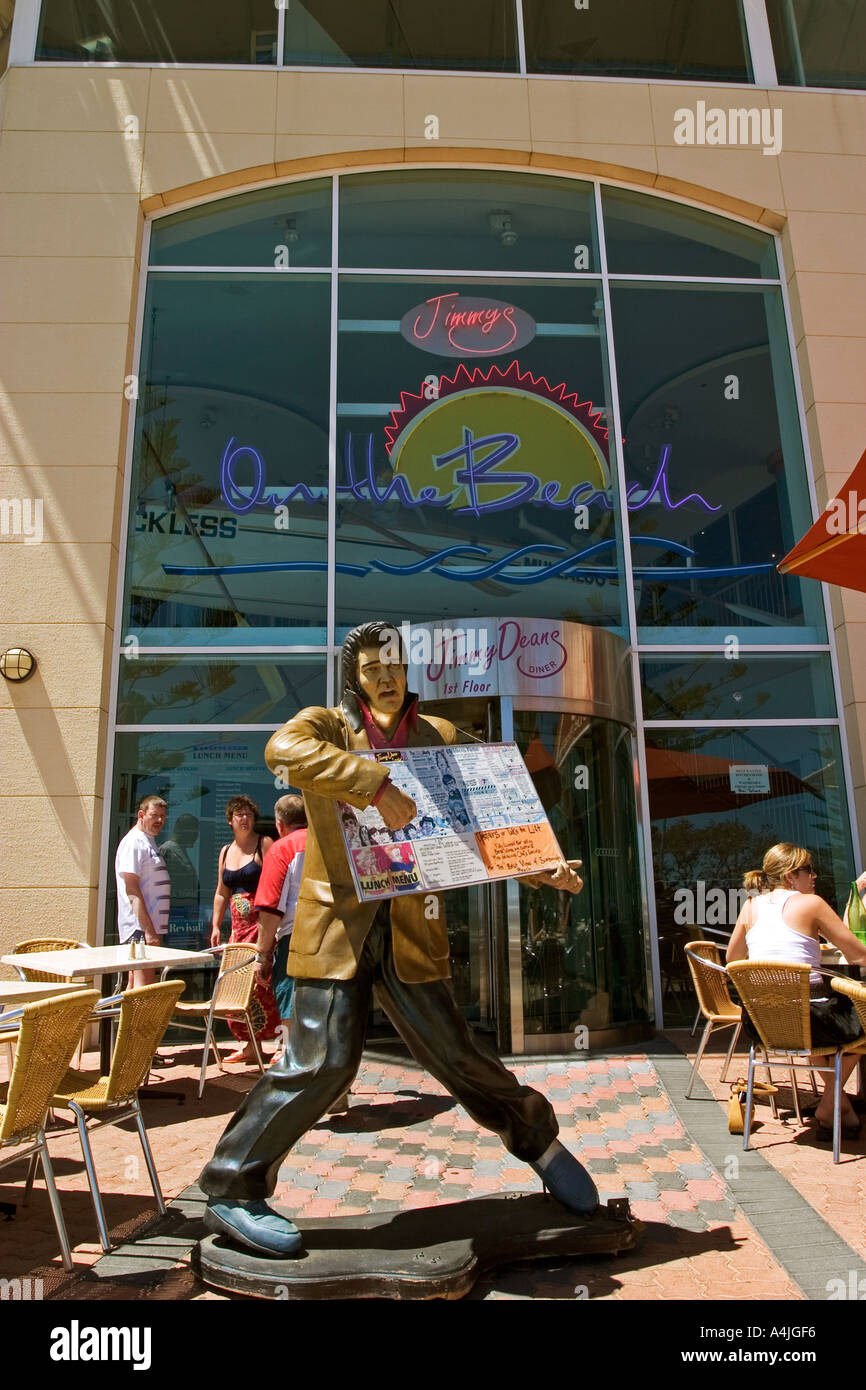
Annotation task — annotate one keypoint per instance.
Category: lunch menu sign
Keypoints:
(478, 818)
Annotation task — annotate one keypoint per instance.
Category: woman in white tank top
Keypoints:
(785, 921)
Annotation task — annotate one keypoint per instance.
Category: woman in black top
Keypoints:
(240, 868)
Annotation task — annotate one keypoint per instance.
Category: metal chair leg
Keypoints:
(735, 1034)
(51, 1188)
(837, 1109)
(91, 1177)
(148, 1158)
(750, 1091)
(704, 1039)
(31, 1174)
(796, 1095)
(695, 1024)
(255, 1041)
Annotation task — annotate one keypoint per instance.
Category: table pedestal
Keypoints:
(426, 1253)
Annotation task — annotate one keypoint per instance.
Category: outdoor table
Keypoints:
(18, 992)
(106, 961)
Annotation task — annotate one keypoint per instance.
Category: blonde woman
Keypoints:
(785, 921)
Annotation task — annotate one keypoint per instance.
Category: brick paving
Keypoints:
(406, 1143)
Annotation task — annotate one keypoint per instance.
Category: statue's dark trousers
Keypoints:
(326, 1041)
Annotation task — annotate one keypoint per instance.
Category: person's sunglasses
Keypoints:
(806, 869)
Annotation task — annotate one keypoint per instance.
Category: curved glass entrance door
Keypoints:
(583, 958)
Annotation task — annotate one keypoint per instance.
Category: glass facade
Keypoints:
(819, 43)
(453, 395)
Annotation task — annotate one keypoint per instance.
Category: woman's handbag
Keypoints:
(856, 914)
(737, 1102)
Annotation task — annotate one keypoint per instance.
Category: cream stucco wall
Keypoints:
(77, 178)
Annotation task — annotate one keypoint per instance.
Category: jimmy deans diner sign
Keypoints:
(456, 325)
(486, 656)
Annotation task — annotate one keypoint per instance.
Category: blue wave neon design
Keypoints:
(571, 566)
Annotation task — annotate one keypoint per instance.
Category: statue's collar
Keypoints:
(351, 709)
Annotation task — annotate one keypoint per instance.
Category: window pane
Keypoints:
(650, 236)
(459, 477)
(466, 221)
(819, 44)
(164, 31)
(637, 38)
(755, 686)
(402, 34)
(229, 509)
(242, 689)
(272, 227)
(583, 956)
(714, 461)
(706, 835)
(197, 774)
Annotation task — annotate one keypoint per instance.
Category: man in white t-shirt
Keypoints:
(143, 887)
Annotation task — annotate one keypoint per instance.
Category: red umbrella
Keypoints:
(834, 549)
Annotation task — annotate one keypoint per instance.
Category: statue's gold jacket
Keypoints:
(314, 751)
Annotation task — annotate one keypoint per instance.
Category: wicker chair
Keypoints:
(231, 999)
(776, 995)
(108, 1100)
(710, 980)
(48, 943)
(47, 1035)
(44, 943)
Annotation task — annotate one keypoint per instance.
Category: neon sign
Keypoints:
(454, 325)
(479, 471)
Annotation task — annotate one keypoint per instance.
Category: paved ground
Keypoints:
(776, 1224)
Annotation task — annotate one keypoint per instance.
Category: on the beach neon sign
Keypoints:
(479, 471)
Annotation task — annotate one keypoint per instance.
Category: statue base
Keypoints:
(429, 1252)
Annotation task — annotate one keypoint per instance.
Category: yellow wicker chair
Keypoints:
(44, 943)
(231, 999)
(108, 1100)
(48, 943)
(710, 980)
(47, 1035)
(776, 995)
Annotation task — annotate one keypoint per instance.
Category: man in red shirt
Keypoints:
(277, 900)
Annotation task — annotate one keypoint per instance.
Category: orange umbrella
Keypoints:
(834, 549)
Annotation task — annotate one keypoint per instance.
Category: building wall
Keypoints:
(86, 153)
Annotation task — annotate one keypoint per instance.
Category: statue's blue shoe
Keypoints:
(569, 1182)
(255, 1225)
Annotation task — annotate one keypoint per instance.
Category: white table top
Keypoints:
(106, 960)
(26, 991)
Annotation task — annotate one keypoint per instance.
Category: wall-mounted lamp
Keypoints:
(17, 664)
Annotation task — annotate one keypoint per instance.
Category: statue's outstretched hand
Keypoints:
(395, 807)
(564, 876)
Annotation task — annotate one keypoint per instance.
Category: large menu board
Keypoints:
(478, 818)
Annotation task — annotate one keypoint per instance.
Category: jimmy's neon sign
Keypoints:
(452, 325)
(481, 458)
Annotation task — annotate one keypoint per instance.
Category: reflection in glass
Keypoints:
(196, 774)
(754, 686)
(637, 38)
(710, 825)
(229, 509)
(402, 34)
(649, 236)
(242, 689)
(583, 956)
(465, 220)
(819, 43)
(474, 485)
(714, 459)
(163, 31)
(282, 227)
